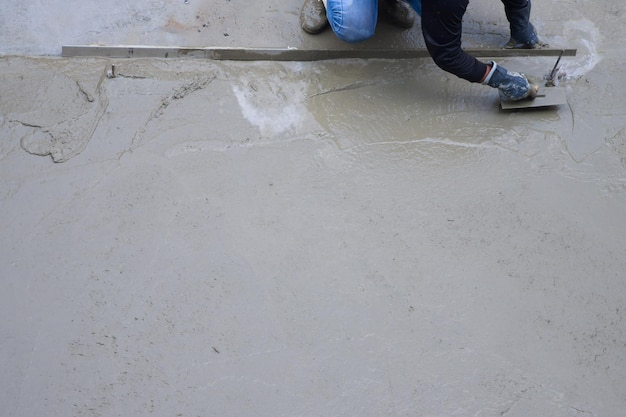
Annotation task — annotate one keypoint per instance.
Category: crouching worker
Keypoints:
(354, 20)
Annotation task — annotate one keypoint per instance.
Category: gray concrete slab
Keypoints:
(37, 28)
(345, 237)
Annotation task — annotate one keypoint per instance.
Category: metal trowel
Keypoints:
(549, 96)
(546, 97)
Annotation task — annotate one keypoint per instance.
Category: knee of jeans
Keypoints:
(354, 35)
(352, 27)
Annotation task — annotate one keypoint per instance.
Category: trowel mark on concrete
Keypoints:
(178, 94)
(352, 86)
(68, 137)
(436, 141)
(618, 142)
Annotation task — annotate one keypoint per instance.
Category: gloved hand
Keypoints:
(512, 86)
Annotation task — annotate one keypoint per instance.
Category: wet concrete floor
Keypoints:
(351, 237)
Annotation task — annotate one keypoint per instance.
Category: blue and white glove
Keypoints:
(512, 86)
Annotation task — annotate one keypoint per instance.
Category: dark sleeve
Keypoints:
(441, 25)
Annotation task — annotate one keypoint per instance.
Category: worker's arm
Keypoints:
(442, 28)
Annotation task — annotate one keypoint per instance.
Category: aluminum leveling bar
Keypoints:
(285, 54)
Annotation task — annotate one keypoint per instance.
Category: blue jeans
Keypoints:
(352, 20)
(355, 20)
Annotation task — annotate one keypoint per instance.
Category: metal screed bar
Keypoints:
(286, 54)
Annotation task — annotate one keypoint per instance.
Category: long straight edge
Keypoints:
(286, 54)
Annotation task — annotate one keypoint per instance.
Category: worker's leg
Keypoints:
(518, 15)
(352, 20)
(397, 12)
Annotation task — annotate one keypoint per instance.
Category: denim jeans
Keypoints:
(352, 20)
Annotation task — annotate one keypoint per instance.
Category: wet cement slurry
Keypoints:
(324, 238)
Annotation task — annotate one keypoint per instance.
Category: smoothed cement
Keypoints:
(345, 238)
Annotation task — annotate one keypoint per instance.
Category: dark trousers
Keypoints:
(442, 27)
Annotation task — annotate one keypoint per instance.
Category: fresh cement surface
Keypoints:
(336, 238)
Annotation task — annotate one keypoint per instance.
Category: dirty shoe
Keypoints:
(313, 16)
(529, 41)
(397, 12)
(537, 44)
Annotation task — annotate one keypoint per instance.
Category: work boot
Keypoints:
(397, 12)
(523, 36)
(537, 44)
(313, 16)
